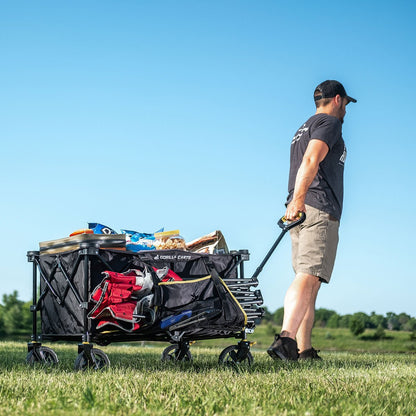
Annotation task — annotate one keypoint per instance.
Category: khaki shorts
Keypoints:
(314, 244)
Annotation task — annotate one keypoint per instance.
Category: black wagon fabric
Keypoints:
(201, 295)
(190, 265)
(67, 277)
(63, 281)
(62, 286)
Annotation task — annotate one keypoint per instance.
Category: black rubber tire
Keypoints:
(171, 353)
(101, 358)
(48, 357)
(228, 357)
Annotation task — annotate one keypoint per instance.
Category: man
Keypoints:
(317, 159)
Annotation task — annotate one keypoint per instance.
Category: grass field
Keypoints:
(352, 382)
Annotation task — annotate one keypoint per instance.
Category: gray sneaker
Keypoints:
(283, 348)
(310, 354)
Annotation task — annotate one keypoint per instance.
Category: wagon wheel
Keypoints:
(42, 355)
(234, 356)
(175, 352)
(99, 360)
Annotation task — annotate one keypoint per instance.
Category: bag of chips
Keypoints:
(100, 228)
(137, 241)
(169, 240)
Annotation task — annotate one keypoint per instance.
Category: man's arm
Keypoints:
(315, 153)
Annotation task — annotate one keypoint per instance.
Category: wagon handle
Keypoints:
(286, 225)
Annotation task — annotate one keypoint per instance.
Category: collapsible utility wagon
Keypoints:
(94, 291)
(93, 294)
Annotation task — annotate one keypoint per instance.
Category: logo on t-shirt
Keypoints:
(343, 156)
(299, 133)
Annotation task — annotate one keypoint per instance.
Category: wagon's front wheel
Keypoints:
(95, 359)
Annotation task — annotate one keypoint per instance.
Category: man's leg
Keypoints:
(299, 309)
(304, 334)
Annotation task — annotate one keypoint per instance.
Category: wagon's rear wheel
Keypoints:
(42, 355)
(175, 352)
(98, 360)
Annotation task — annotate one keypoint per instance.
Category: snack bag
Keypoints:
(137, 241)
(100, 228)
(169, 240)
(213, 243)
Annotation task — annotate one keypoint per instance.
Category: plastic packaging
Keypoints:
(169, 240)
(213, 243)
(100, 228)
(137, 241)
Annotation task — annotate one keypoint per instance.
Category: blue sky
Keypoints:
(179, 114)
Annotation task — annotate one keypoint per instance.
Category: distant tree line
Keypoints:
(15, 316)
(357, 322)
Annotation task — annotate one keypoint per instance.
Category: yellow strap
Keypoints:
(174, 282)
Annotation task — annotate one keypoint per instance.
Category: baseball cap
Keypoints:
(329, 89)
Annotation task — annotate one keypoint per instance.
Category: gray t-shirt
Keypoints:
(327, 189)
